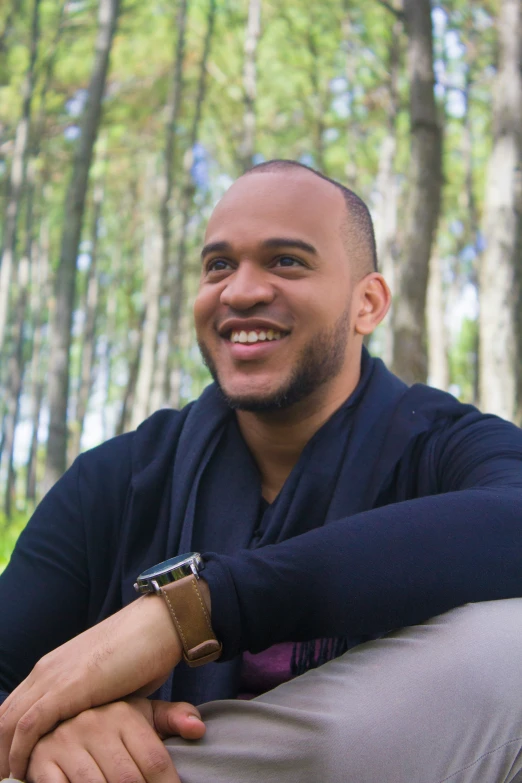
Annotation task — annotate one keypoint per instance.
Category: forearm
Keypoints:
(386, 568)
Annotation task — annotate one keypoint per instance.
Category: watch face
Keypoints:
(169, 565)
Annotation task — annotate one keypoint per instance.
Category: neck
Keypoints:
(276, 439)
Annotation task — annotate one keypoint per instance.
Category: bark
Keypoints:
(60, 340)
(40, 291)
(473, 222)
(317, 103)
(15, 371)
(349, 36)
(18, 175)
(173, 110)
(110, 339)
(423, 206)
(152, 265)
(500, 335)
(134, 348)
(89, 330)
(187, 195)
(386, 184)
(437, 331)
(253, 30)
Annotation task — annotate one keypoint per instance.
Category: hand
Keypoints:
(134, 649)
(114, 743)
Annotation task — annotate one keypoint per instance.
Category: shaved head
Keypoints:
(357, 229)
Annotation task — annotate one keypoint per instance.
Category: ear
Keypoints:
(372, 299)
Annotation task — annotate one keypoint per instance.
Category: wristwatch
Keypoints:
(177, 581)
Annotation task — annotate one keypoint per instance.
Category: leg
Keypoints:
(436, 703)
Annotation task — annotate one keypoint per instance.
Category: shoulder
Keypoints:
(132, 452)
(466, 447)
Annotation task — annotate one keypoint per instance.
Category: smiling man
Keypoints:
(309, 522)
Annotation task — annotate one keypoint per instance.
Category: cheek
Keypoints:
(205, 305)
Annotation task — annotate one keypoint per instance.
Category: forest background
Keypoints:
(121, 124)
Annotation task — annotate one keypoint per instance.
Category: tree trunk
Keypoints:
(348, 38)
(134, 348)
(60, 341)
(110, 340)
(318, 103)
(187, 195)
(423, 206)
(386, 185)
(18, 174)
(500, 338)
(253, 30)
(173, 109)
(15, 371)
(89, 330)
(172, 112)
(436, 326)
(473, 224)
(152, 265)
(40, 289)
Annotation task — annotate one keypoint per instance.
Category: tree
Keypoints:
(500, 270)
(18, 173)
(151, 354)
(253, 30)
(60, 342)
(187, 195)
(423, 204)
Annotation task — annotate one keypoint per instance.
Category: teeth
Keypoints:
(254, 337)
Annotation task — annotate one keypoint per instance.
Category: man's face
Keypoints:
(273, 310)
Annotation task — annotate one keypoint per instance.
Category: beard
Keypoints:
(317, 363)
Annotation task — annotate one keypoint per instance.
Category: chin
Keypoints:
(251, 399)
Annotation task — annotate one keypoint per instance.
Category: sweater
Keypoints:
(404, 505)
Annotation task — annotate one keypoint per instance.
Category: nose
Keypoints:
(247, 286)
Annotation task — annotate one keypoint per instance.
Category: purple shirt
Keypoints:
(265, 670)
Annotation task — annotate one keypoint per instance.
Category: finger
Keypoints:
(32, 725)
(150, 756)
(108, 763)
(177, 718)
(49, 772)
(9, 716)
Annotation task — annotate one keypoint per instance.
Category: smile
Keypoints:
(254, 336)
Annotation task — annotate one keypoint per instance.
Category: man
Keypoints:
(332, 505)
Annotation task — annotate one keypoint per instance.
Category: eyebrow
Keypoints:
(288, 242)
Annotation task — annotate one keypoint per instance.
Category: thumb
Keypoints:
(177, 718)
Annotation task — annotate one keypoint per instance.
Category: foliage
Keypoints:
(9, 532)
(323, 96)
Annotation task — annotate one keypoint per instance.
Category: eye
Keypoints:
(217, 265)
(288, 262)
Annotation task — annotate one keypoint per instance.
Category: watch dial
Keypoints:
(168, 565)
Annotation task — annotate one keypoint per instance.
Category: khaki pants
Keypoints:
(435, 703)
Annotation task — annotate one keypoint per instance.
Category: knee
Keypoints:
(482, 649)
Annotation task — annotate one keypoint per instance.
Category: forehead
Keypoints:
(297, 204)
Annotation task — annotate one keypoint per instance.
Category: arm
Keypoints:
(56, 581)
(132, 651)
(44, 590)
(392, 566)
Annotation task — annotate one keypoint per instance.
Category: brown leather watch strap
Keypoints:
(192, 621)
